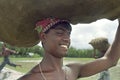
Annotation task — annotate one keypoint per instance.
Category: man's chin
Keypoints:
(62, 55)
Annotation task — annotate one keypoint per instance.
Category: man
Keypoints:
(55, 37)
(5, 53)
(101, 44)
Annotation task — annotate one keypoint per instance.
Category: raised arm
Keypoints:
(12, 51)
(110, 59)
(7, 51)
(113, 53)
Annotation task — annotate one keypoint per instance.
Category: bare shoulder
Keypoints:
(32, 75)
(74, 65)
(26, 77)
(75, 68)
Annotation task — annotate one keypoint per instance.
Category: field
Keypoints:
(28, 63)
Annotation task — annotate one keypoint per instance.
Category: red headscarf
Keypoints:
(45, 24)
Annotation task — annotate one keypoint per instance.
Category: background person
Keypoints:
(6, 53)
(101, 44)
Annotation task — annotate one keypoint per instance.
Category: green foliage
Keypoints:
(24, 51)
(38, 51)
(83, 53)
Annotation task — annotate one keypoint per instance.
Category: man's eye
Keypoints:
(69, 33)
(60, 33)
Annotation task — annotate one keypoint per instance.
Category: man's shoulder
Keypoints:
(30, 76)
(74, 66)
(74, 69)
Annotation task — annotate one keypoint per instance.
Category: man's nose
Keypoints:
(66, 37)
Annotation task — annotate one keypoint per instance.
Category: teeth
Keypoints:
(65, 46)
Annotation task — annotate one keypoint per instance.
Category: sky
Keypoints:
(82, 34)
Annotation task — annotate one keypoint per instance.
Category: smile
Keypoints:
(64, 46)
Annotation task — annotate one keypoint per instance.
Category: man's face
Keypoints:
(56, 41)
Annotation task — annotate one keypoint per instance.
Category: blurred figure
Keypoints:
(101, 44)
(6, 53)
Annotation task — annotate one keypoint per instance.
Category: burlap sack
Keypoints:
(18, 17)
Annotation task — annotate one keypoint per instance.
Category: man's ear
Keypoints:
(42, 36)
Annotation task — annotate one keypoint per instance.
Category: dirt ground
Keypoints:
(8, 74)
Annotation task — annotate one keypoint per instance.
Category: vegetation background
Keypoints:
(30, 56)
(37, 51)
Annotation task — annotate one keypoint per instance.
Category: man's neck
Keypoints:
(52, 61)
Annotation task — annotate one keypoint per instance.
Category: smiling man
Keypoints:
(55, 37)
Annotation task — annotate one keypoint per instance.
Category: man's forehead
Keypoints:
(62, 26)
(59, 27)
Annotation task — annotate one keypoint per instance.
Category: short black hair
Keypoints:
(64, 24)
